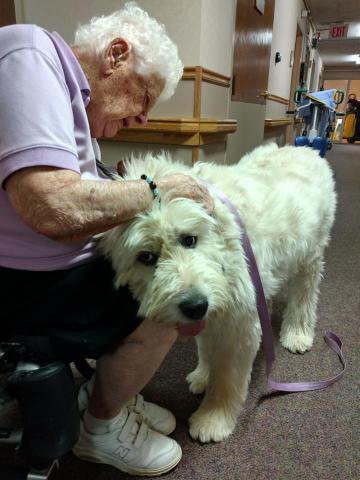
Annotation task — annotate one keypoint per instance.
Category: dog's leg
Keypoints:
(198, 378)
(297, 330)
(231, 353)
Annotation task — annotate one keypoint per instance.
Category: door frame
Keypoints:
(7, 12)
(295, 75)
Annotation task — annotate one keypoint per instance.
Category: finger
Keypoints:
(121, 168)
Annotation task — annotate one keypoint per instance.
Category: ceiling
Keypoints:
(337, 53)
(332, 11)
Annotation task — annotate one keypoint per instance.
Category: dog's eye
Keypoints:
(188, 241)
(147, 258)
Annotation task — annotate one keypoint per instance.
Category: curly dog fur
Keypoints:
(186, 266)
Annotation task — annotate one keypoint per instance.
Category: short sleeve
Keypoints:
(35, 113)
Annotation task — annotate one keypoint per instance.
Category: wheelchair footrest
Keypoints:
(48, 405)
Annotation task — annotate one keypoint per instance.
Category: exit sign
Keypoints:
(338, 30)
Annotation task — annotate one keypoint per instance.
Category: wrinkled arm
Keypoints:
(58, 204)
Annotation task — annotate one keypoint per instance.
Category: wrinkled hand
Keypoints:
(121, 170)
(184, 186)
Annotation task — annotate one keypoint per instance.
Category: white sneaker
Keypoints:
(130, 446)
(156, 417)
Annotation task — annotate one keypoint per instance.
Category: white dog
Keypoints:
(186, 266)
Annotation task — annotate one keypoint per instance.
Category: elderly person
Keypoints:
(55, 101)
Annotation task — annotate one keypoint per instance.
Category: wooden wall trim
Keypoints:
(195, 154)
(207, 138)
(149, 137)
(177, 131)
(216, 78)
(197, 92)
(276, 98)
(217, 126)
(188, 132)
(206, 75)
(7, 12)
(282, 122)
(166, 124)
(198, 75)
(278, 122)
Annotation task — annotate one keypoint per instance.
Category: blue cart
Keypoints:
(318, 112)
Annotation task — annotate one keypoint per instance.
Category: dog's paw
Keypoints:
(210, 425)
(296, 342)
(198, 381)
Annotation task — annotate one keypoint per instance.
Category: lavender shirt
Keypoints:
(43, 122)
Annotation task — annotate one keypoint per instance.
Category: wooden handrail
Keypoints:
(281, 122)
(209, 76)
(277, 98)
(178, 131)
(193, 132)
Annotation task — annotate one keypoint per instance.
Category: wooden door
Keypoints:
(252, 49)
(7, 12)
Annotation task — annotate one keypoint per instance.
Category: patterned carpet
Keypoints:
(312, 435)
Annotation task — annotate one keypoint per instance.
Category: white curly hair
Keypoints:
(154, 51)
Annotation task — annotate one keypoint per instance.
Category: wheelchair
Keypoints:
(317, 109)
(38, 376)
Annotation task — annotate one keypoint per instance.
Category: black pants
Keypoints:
(76, 313)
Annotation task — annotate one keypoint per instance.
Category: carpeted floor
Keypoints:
(312, 435)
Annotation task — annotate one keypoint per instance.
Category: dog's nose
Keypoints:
(194, 306)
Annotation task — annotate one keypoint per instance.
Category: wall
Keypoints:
(287, 16)
(355, 88)
(276, 135)
(112, 152)
(335, 74)
(249, 134)
(180, 18)
(65, 15)
(216, 35)
(216, 40)
(283, 41)
(318, 66)
(202, 29)
(340, 84)
(348, 86)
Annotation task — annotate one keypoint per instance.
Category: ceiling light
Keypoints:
(357, 60)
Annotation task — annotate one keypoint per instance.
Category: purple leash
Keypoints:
(330, 338)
